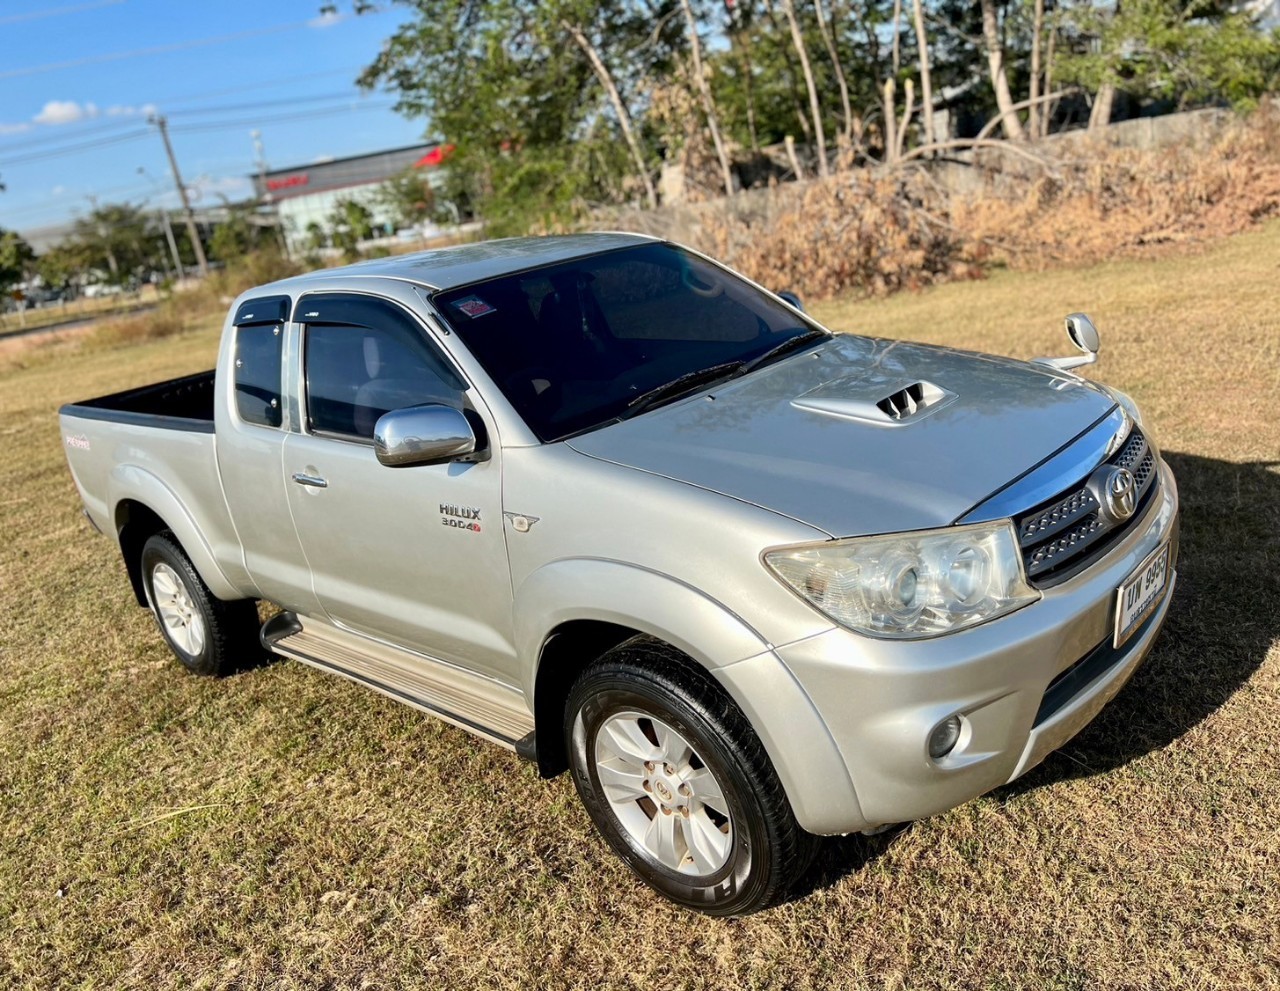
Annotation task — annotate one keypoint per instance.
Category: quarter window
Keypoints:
(257, 374)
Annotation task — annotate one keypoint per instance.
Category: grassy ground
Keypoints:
(284, 829)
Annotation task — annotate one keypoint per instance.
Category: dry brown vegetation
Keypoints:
(878, 231)
(283, 829)
(165, 320)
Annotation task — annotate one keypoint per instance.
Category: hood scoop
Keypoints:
(905, 404)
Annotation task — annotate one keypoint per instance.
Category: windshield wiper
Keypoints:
(786, 347)
(682, 384)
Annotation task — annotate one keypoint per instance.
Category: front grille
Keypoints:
(1064, 535)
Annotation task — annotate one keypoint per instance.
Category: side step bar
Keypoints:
(466, 700)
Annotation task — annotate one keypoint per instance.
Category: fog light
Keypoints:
(944, 737)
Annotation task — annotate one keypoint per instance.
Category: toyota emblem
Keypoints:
(1122, 494)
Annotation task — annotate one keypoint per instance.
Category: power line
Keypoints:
(70, 149)
(132, 119)
(36, 15)
(252, 87)
(284, 102)
(280, 119)
(80, 132)
(179, 46)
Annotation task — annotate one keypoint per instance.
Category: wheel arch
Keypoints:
(135, 523)
(142, 505)
(606, 595)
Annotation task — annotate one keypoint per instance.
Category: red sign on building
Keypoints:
(288, 182)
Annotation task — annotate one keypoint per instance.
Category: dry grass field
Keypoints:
(285, 829)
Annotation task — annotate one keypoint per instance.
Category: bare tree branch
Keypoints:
(624, 117)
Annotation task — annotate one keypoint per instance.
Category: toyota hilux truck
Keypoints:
(600, 500)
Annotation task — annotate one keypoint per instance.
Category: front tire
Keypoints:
(679, 784)
(207, 635)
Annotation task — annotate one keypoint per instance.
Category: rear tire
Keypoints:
(207, 635)
(678, 783)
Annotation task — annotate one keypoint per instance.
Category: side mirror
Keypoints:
(423, 435)
(787, 296)
(1084, 335)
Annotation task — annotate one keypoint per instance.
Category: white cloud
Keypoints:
(58, 190)
(326, 20)
(65, 112)
(118, 110)
(321, 159)
(15, 128)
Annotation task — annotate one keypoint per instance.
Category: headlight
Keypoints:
(910, 586)
(1126, 403)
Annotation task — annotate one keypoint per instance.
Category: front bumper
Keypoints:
(880, 699)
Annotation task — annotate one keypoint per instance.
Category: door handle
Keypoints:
(315, 481)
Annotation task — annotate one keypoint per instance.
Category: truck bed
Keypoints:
(155, 445)
(179, 404)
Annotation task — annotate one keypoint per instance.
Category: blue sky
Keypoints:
(79, 77)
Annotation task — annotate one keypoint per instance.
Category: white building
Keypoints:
(308, 194)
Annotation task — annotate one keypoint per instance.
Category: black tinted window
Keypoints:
(257, 374)
(572, 344)
(356, 373)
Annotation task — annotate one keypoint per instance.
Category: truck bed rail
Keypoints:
(179, 404)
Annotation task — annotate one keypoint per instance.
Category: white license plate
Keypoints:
(1138, 597)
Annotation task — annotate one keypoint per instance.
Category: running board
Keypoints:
(466, 700)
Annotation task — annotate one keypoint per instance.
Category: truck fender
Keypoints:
(632, 596)
(807, 760)
(132, 482)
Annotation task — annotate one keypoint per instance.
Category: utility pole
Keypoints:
(163, 125)
(264, 191)
(168, 236)
(168, 227)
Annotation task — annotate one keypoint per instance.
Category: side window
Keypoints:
(257, 374)
(355, 372)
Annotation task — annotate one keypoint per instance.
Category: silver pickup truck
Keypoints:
(603, 501)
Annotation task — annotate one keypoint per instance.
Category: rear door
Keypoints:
(250, 437)
(411, 556)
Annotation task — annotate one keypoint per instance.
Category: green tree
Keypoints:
(350, 223)
(59, 265)
(236, 235)
(16, 259)
(317, 237)
(408, 197)
(119, 239)
(514, 86)
(1185, 52)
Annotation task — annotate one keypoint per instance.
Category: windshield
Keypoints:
(578, 344)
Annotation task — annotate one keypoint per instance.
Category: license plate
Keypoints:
(1138, 597)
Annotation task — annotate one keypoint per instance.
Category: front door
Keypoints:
(411, 556)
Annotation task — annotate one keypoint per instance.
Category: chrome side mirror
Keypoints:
(1084, 335)
(423, 435)
(787, 296)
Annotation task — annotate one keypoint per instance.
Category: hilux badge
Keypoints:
(460, 517)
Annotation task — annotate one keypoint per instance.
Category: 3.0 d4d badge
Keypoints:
(461, 517)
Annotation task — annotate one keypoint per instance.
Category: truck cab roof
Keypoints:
(464, 264)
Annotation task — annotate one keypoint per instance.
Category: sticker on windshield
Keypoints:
(473, 306)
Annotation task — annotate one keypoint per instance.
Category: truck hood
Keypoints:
(861, 435)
